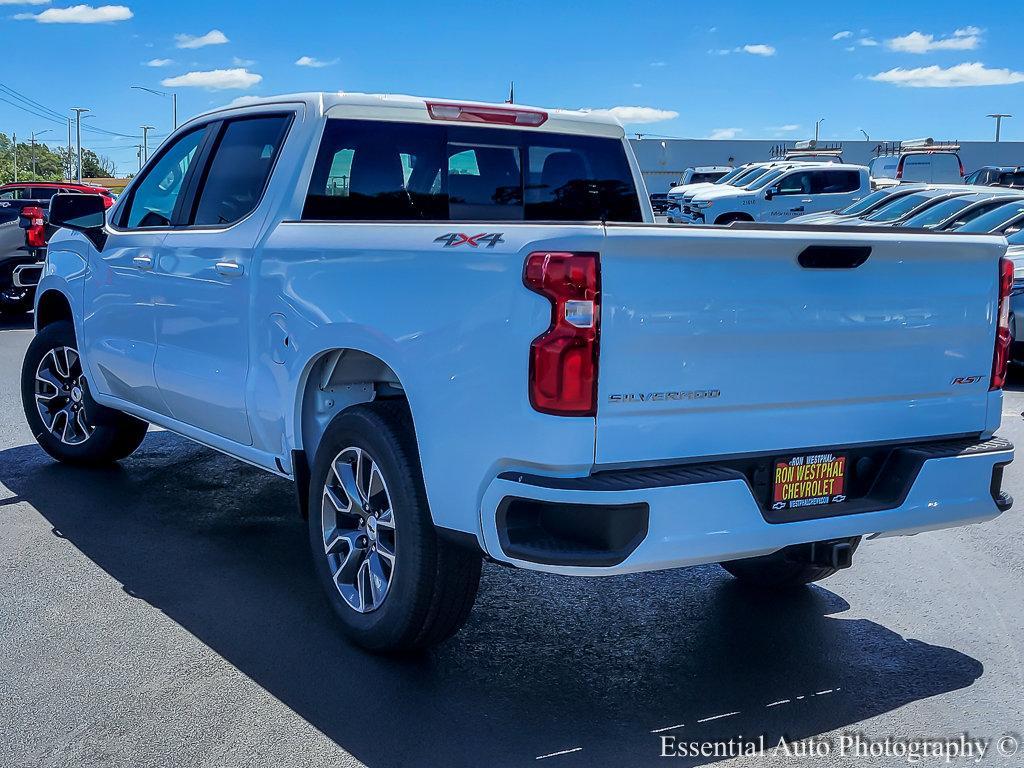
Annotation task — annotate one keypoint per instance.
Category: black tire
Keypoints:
(433, 585)
(778, 571)
(114, 435)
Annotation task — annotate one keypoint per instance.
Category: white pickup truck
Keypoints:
(784, 193)
(456, 327)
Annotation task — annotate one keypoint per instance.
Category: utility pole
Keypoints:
(165, 94)
(999, 121)
(70, 169)
(14, 145)
(78, 128)
(145, 141)
(32, 141)
(138, 154)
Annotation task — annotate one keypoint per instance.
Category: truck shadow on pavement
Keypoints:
(545, 664)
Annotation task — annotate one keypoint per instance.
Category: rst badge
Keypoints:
(454, 239)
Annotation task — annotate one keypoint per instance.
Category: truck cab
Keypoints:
(782, 194)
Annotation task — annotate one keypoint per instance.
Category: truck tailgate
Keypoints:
(718, 341)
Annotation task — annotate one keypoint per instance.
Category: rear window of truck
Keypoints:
(372, 170)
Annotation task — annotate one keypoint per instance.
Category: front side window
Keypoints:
(798, 183)
(937, 213)
(154, 197)
(18, 193)
(237, 175)
(374, 170)
(43, 193)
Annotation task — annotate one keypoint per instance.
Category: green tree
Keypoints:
(49, 165)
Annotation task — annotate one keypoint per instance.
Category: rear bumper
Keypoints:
(646, 520)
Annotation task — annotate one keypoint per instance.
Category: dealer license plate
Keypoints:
(809, 481)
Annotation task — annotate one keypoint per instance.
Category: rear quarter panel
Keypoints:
(454, 323)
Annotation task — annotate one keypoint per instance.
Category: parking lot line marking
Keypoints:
(556, 754)
(668, 728)
(822, 693)
(776, 703)
(718, 717)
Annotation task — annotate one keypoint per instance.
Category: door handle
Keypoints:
(229, 269)
(143, 262)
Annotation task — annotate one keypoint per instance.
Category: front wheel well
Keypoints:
(729, 218)
(52, 307)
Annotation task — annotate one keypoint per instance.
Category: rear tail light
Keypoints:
(473, 113)
(107, 201)
(1001, 355)
(899, 168)
(35, 236)
(563, 359)
(962, 172)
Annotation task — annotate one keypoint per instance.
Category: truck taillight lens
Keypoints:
(563, 359)
(34, 234)
(899, 168)
(478, 113)
(1001, 356)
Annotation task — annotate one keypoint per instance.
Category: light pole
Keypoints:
(174, 102)
(817, 128)
(14, 146)
(145, 141)
(78, 136)
(32, 141)
(999, 121)
(866, 137)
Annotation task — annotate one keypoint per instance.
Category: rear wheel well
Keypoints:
(338, 380)
(728, 218)
(52, 307)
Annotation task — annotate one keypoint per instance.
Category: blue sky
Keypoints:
(740, 69)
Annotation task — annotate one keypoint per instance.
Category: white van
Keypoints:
(921, 160)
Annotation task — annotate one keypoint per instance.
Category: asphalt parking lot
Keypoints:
(164, 613)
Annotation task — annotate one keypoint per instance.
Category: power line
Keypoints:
(43, 112)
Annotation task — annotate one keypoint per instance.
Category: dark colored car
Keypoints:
(22, 250)
(1011, 176)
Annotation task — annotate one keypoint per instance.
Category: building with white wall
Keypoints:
(664, 160)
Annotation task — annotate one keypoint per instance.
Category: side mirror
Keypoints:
(770, 193)
(83, 213)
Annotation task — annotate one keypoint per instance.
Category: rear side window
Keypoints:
(1011, 179)
(236, 176)
(897, 209)
(372, 170)
(43, 193)
(834, 182)
(995, 219)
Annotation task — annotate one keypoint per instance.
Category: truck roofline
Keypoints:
(404, 108)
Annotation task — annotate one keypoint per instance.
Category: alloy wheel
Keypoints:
(60, 396)
(359, 530)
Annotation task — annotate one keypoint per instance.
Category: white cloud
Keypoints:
(639, 115)
(965, 39)
(960, 76)
(842, 35)
(215, 79)
(243, 101)
(236, 61)
(79, 14)
(638, 85)
(159, 62)
(788, 128)
(659, 63)
(24, 2)
(725, 133)
(759, 49)
(868, 42)
(213, 37)
(849, 48)
(309, 61)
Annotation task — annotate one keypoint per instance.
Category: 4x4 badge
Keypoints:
(453, 239)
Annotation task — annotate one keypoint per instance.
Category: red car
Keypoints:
(44, 190)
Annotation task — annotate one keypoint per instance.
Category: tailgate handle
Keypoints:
(834, 256)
